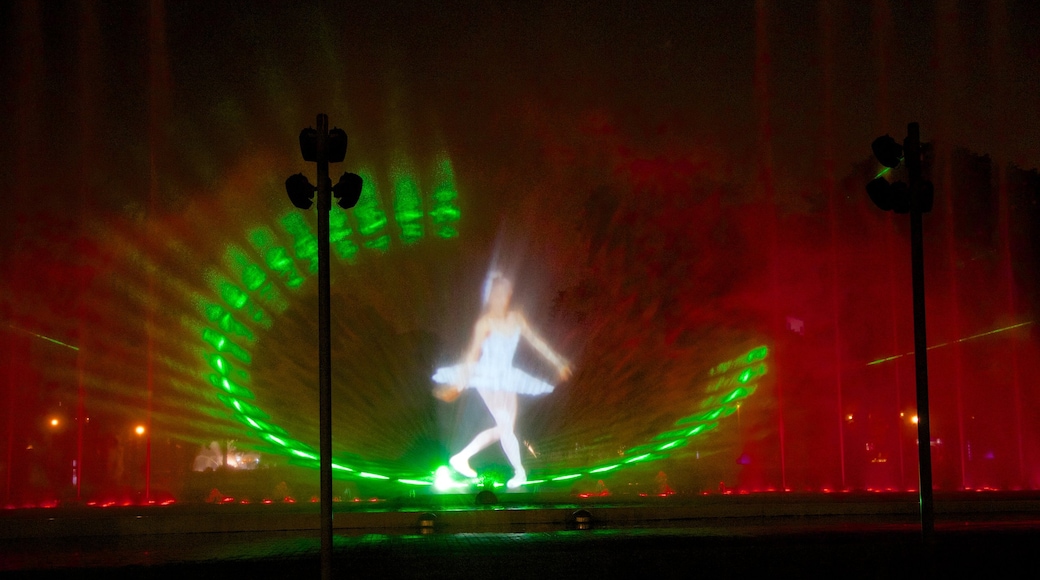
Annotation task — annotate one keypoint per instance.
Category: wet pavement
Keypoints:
(734, 549)
(883, 545)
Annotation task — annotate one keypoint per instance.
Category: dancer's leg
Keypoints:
(503, 406)
(460, 461)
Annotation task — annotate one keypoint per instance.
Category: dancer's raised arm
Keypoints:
(536, 341)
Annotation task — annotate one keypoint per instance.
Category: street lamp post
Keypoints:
(915, 198)
(324, 146)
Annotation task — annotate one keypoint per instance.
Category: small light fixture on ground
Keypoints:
(427, 522)
(486, 497)
(581, 519)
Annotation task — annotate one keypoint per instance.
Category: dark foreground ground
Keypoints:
(735, 538)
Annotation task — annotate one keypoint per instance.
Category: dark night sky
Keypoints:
(679, 75)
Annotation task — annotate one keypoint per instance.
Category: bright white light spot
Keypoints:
(442, 480)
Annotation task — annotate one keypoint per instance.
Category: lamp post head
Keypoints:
(309, 144)
(880, 192)
(336, 145)
(348, 190)
(300, 191)
(887, 151)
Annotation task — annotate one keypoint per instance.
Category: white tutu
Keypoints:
(494, 370)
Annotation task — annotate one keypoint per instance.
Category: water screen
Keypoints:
(625, 259)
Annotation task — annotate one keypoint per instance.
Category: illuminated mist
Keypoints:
(683, 215)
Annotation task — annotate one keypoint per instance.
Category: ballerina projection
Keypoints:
(488, 368)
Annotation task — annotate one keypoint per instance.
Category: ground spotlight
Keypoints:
(888, 152)
(427, 523)
(486, 497)
(348, 189)
(300, 190)
(581, 519)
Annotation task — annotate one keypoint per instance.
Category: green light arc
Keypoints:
(241, 309)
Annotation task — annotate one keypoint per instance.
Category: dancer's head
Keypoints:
(498, 290)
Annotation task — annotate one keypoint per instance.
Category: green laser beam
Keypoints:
(959, 340)
(887, 169)
(42, 337)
